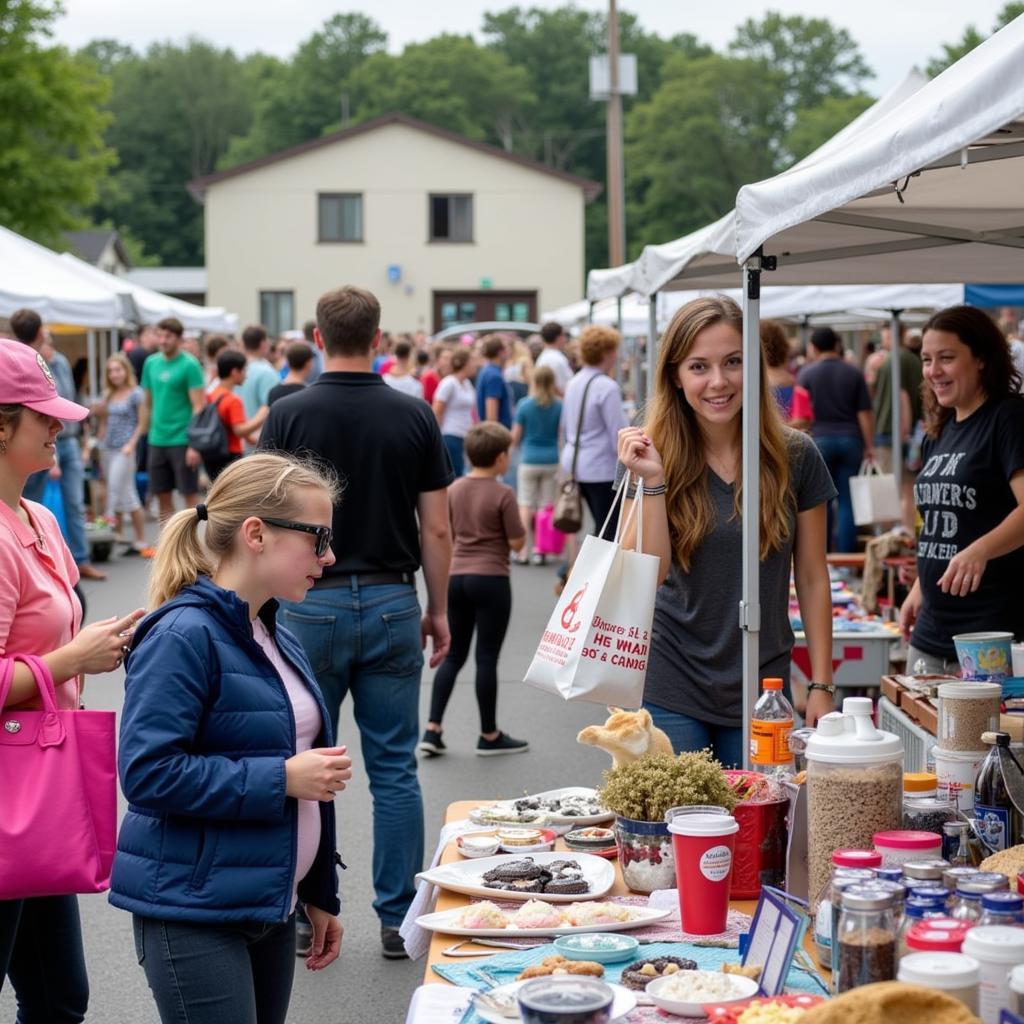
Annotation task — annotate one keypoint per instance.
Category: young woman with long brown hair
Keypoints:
(688, 455)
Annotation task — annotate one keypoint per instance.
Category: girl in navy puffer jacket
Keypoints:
(226, 755)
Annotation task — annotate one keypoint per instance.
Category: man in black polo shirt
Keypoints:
(361, 624)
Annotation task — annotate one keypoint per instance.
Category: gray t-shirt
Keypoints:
(696, 661)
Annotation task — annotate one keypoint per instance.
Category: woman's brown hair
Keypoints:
(129, 374)
(673, 427)
(999, 378)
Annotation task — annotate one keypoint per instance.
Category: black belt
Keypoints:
(366, 579)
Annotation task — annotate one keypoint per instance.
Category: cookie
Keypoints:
(514, 870)
(560, 965)
(517, 885)
(567, 886)
(637, 975)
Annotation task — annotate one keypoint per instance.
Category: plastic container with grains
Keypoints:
(919, 785)
(966, 710)
(927, 813)
(854, 786)
(901, 845)
(957, 770)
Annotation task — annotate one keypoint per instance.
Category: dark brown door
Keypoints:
(452, 308)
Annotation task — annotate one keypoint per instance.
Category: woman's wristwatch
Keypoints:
(829, 688)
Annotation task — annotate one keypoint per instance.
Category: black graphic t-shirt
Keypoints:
(962, 492)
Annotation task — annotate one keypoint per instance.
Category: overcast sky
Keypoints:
(894, 35)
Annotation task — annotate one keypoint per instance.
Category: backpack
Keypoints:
(206, 431)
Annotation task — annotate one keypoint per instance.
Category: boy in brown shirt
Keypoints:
(486, 525)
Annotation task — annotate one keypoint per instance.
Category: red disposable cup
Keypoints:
(703, 839)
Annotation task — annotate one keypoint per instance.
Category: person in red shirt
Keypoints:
(432, 376)
(230, 373)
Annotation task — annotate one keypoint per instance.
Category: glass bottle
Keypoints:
(770, 726)
(892, 891)
(1002, 908)
(916, 909)
(956, 844)
(969, 892)
(866, 938)
(999, 795)
(843, 871)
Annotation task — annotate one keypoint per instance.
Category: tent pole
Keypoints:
(618, 326)
(750, 603)
(90, 350)
(897, 405)
(652, 344)
(590, 311)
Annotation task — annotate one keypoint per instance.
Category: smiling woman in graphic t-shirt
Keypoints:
(969, 493)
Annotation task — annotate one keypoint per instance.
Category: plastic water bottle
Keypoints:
(770, 726)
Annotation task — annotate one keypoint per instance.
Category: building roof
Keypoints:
(90, 245)
(198, 186)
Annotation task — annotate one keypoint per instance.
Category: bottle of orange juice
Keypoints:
(770, 726)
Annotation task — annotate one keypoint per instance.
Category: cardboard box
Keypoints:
(921, 710)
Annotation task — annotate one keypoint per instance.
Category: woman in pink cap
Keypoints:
(40, 938)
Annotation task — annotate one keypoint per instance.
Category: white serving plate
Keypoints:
(443, 921)
(466, 877)
(548, 817)
(745, 988)
(624, 1002)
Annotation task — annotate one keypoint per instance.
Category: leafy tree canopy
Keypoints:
(952, 52)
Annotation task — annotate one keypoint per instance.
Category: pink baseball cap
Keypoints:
(25, 379)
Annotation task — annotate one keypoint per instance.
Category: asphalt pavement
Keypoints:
(362, 987)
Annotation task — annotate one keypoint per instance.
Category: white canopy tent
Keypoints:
(36, 278)
(149, 306)
(932, 191)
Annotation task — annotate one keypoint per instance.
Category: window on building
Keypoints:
(340, 217)
(277, 311)
(457, 313)
(451, 218)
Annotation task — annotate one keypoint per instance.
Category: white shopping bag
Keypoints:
(874, 494)
(597, 642)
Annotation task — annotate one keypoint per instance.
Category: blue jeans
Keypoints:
(686, 733)
(41, 952)
(843, 457)
(72, 483)
(456, 452)
(366, 640)
(232, 973)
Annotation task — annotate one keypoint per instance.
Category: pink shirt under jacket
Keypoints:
(39, 610)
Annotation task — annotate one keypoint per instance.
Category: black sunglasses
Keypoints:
(323, 534)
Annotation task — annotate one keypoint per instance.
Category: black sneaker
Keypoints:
(392, 945)
(432, 744)
(501, 744)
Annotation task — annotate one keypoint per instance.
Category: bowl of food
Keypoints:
(478, 844)
(526, 840)
(601, 947)
(590, 839)
(686, 993)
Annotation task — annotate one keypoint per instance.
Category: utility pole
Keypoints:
(616, 190)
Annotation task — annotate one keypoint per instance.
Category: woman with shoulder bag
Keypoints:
(41, 615)
(688, 455)
(226, 754)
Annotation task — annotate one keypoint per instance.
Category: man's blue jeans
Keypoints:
(843, 457)
(687, 734)
(72, 482)
(366, 640)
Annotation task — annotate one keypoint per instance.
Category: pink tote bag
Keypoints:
(548, 540)
(58, 795)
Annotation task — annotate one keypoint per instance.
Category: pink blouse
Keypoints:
(307, 728)
(39, 609)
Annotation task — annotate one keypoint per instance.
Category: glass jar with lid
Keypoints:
(952, 875)
(916, 909)
(1002, 908)
(967, 906)
(919, 785)
(937, 935)
(919, 872)
(954, 974)
(854, 786)
(851, 866)
(928, 814)
(891, 890)
(866, 938)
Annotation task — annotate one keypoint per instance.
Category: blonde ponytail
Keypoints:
(262, 484)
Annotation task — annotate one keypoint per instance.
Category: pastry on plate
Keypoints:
(481, 915)
(536, 914)
(637, 975)
(557, 965)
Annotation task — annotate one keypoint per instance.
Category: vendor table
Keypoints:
(859, 659)
(447, 900)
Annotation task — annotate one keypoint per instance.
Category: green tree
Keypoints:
(814, 126)
(952, 52)
(712, 126)
(450, 81)
(51, 122)
(816, 59)
(298, 100)
(175, 110)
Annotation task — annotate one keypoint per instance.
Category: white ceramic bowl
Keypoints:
(478, 848)
(743, 988)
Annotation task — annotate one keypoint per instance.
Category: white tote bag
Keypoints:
(597, 641)
(874, 495)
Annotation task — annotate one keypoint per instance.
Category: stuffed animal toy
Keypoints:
(627, 736)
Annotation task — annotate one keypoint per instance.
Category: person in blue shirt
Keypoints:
(536, 430)
(493, 397)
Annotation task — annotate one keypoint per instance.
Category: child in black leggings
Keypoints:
(486, 524)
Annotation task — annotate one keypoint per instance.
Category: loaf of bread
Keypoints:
(891, 1002)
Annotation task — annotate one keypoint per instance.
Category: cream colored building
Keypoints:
(442, 229)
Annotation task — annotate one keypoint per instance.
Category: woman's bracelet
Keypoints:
(654, 491)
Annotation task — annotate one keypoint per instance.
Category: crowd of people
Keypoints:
(301, 484)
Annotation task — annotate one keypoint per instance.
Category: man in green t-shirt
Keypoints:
(172, 381)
